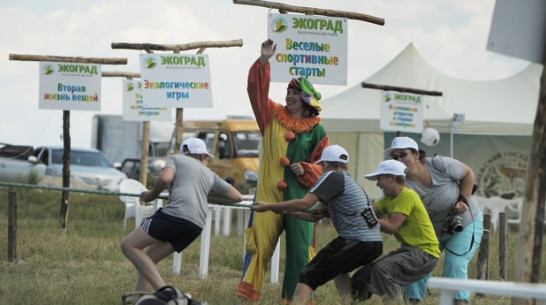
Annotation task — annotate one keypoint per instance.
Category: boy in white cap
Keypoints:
(409, 222)
(359, 240)
(180, 222)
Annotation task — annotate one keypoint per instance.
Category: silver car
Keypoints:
(88, 165)
(17, 164)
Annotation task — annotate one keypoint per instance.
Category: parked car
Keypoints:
(131, 167)
(18, 164)
(88, 165)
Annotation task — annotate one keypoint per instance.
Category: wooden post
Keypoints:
(65, 197)
(179, 129)
(12, 226)
(483, 254)
(145, 152)
(531, 227)
(179, 123)
(503, 239)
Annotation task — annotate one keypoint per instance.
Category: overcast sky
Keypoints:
(451, 35)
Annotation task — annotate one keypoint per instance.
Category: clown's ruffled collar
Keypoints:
(295, 124)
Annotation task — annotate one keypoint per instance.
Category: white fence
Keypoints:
(449, 287)
(242, 220)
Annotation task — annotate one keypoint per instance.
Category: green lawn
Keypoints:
(86, 265)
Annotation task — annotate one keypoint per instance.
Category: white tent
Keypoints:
(494, 107)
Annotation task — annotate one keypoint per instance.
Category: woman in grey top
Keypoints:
(445, 186)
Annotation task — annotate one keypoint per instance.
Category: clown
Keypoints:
(293, 139)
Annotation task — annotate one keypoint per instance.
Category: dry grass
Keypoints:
(86, 266)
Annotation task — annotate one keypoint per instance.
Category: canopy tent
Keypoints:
(503, 107)
(495, 107)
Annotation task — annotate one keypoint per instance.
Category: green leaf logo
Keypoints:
(48, 69)
(279, 25)
(149, 62)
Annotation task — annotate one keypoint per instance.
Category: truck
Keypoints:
(18, 164)
(119, 139)
(234, 143)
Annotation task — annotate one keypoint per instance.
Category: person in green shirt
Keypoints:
(406, 219)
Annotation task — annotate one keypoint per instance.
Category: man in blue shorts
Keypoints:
(358, 242)
(180, 222)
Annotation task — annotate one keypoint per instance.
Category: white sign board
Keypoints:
(69, 86)
(518, 29)
(134, 108)
(401, 112)
(176, 80)
(310, 46)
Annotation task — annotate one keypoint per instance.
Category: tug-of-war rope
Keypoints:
(100, 192)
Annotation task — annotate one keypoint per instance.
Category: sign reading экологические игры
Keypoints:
(176, 80)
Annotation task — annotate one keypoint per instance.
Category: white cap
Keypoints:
(195, 146)
(334, 153)
(400, 143)
(388, 167)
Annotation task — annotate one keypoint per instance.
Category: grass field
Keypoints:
(87, 267)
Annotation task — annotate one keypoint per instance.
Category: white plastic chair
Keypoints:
(495, 205)
(133, 208)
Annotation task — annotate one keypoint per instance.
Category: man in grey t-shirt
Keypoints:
(181, 221)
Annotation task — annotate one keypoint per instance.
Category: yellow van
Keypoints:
(234, 144)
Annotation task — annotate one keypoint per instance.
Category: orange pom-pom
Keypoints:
(285, 161)
(289, 136)
(282, 185)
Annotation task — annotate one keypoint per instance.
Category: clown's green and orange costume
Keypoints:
(286, 140)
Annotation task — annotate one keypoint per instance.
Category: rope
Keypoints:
(99, 192)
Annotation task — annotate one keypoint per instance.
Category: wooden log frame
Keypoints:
(127, 75)
(400, 89)
(201, 46)
(284, 8)
(65, 197)
(178, 47)
(51, 58)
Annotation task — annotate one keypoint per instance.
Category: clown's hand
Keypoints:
(297, 169)
(268, 49)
